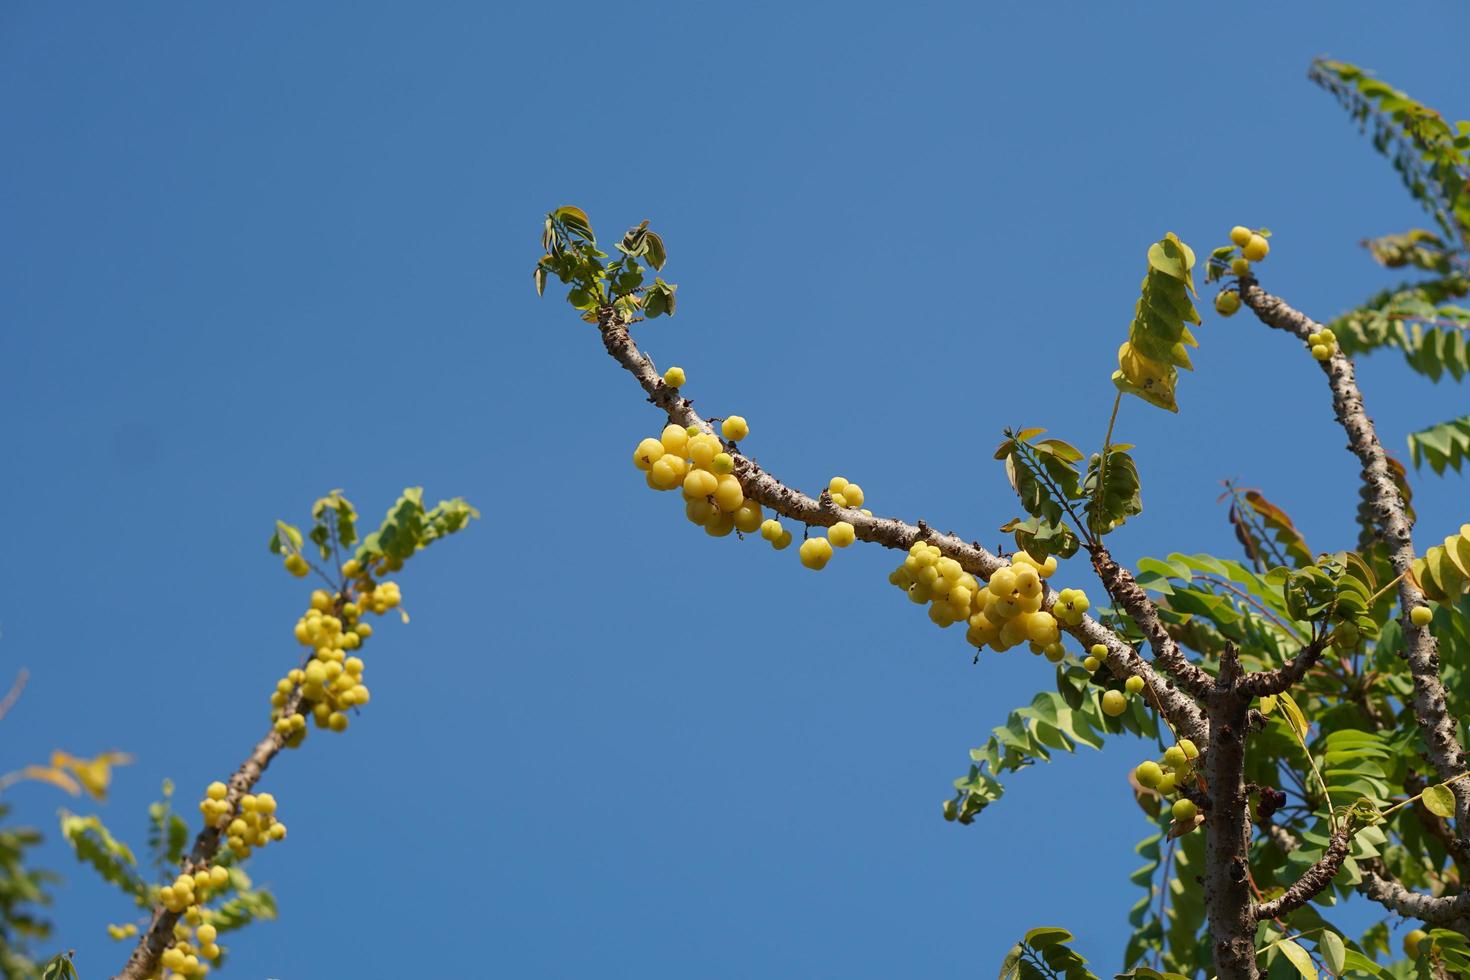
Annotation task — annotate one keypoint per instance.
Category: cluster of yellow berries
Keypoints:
(124, 931)
(1004, 612)
(189, 890)
(190, 949)
(1170, 774)
(696, 462)
(331, 681)
(1323, 344)
(1253, 248)
(815, 552)
(1114, 702)
(253, 824)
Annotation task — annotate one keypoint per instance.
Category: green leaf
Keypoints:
(1334, 953)
(94, 844)
(656, 253)
(286, 539)
(59, 967)
(1113, 492)
(1443, 446)
(1299, 958)
(1043, 936)
(1159, 336)
(1439, 800)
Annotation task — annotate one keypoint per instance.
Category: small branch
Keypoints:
(1313, 881)
(1264, 682)
(160, 932)
(1395, 530)
(765, 489)
(13, 695)
(1436, 910)
(1129, 595)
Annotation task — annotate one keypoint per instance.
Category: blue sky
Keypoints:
(251, 253)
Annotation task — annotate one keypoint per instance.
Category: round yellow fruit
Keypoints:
(1241, 235)
(1114, 703)
(1256, 249)
(1421, 615)
(815, 553)
(841, 534)
(1227, 302)
(735, 428)
(674, 377)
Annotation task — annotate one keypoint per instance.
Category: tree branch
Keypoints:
(1395, 530)
(1227, 830)
(160, 932)
(1437, 910)
(1313, 881)
(1128, 594)
(765, 489)
(1275, 681)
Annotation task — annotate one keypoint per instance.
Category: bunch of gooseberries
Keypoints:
(1168, 777)
(252, 823)
(695, 462)
(1002, 613)
(1323, 344)
(190, 949)
(1253, 248)
(331, 682)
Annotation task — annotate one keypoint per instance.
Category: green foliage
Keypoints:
(1416, 247)
(1159, 336)
(1044, 955)
(573, 257)
(24, 891)
(1431, 155)
(1208, 601)
(1444, 445)
(1113, 491)
(245, 904)
(168, 833)
(1338, 589)
(334, 523)
(1419, 321)
(1444, 571)
(408, 527)
(1168, 922)
(1043, 472)
(1057, 720)
(59, 967)
(94, 844)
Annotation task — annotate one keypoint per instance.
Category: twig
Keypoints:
(765, 489)
(13, 695)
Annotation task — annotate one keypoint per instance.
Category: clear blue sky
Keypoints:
(254, 252)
